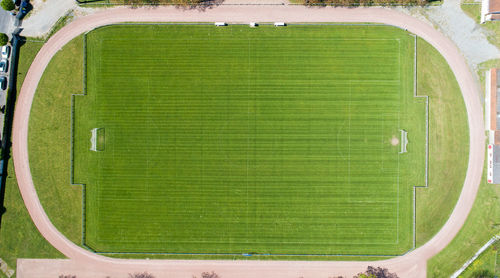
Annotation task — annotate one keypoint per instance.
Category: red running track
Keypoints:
(88, 264)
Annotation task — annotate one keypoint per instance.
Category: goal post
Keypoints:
(404, 140)
(97, 139)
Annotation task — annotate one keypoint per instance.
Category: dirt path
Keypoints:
(87, 264)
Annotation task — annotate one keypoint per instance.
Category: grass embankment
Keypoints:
(49, 125)
(19, 237)
(448, 142)
(481, 225)
(435, 207)
(489, 260)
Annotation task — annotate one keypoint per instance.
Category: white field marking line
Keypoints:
(98, 183)
(349, 141)
(255, 39)
(382, 143)
(426, 175)
(248, 137)
(148, 124)
(245, 241)
(349, 125)
(399, 127)
(426, 119)
(426, 113)
(72, 163)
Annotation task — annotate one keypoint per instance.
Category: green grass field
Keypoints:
(238, 140)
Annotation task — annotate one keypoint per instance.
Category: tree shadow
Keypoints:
(17, 42)
(89, 1)
(200, 5)
(353, 4)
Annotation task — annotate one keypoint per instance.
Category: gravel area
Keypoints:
(6, 22)
(470, 37)
(45, 16)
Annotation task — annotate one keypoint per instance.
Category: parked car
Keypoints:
(5, 52)
(3, 82)
(4, 65)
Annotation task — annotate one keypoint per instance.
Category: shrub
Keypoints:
(372, 272)
(483, 273)
(208, 275)
(4, 39)
(363, 2)
(8, 5)
(141, 275)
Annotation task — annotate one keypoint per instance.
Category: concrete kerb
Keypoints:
(410, 265)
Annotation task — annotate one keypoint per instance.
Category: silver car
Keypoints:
(4, 65)
(5, 52)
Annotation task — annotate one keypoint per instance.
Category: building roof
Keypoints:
(494, 101)
(496, 164)
(494, 6)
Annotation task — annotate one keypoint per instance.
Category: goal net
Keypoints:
(97, 139)
(404, 141)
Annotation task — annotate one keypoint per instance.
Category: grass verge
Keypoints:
(488, 260)
(483, 223)
(448, 142)
(19, 237)
(51, 104)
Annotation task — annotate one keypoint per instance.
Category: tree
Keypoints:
(4, 39)
(209, 275)
(364, 2)
(141, 275)
(8, 5)
(372, 272)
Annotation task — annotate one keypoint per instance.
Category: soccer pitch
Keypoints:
(249, 140)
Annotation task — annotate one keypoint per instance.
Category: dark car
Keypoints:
(4, 65)
(3, 82)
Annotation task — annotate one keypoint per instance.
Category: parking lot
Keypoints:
(3, 92)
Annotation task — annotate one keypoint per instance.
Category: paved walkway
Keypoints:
(87, 264)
